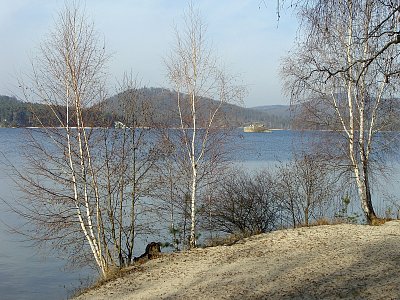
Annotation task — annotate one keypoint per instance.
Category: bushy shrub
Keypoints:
(244, 204)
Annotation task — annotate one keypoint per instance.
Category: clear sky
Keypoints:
(139, 33)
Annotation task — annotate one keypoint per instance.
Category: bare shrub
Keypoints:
(245, 204)
(305, 189)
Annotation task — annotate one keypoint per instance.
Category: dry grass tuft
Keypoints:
(380, 221)
(322, 221)
(227, 240)
(112, 274)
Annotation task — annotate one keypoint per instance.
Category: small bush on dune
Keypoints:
(227, 240)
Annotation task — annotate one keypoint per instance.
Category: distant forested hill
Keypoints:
(163, 104)
(15, 113)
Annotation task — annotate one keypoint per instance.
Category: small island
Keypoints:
(256, 127)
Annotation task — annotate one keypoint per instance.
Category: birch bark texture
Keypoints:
(202, 88)
(343, 72)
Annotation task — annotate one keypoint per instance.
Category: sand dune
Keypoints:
(323, 262)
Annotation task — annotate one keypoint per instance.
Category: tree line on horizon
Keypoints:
(15, 113)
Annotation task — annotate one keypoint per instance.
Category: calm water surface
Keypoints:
(26, 273)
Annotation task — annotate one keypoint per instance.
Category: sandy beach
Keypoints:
(322, 262)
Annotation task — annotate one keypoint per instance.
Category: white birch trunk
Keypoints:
(194, 177)
(359, 165)
(88, 237)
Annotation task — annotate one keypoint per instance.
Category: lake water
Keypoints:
(27, 273)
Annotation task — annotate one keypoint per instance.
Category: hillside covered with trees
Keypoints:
(159, 101)
(15, 113)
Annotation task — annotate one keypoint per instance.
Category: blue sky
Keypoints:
(245, 33)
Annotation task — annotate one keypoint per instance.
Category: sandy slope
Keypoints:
(324, 262)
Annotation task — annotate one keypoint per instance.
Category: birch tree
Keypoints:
(83, 184)
(174, 172)
(344, 71)
(194, 72)
(68, 75)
